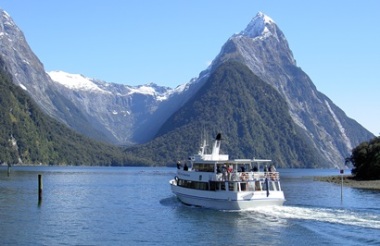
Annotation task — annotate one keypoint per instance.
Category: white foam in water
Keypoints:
(338, 216)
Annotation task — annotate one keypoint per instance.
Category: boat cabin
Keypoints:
(229, 175)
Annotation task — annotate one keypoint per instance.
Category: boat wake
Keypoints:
(328, 215)
(171, 201)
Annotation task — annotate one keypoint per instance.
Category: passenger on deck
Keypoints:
(185, 168)
(178, 165)
(255, 169)
(218, 170)
(229, 171)
(266, 168)
(272, 168)
(224, 172)
(272, 171)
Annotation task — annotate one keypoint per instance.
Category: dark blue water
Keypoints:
(134, 206)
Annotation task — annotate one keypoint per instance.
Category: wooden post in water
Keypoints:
(9, 169)
(40, 186)
(341, 185)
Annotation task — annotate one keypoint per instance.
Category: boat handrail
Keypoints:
(271, 175)
(247, 176)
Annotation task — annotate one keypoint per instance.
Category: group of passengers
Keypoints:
(242, 169)
(228, 173)
(185, 167)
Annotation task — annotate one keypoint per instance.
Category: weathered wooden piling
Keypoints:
(40, 187)
(341, 184)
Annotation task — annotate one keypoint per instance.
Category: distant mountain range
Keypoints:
(252, 92)
(29, 136)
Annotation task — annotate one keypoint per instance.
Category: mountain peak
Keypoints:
(260, 25)
(7, 26)
(264, 17)
(4, 14)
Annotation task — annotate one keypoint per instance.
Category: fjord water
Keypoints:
(134, 206)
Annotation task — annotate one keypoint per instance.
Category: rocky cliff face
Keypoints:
(264, 49)
(115, 109)
(124, 114)
(104, 111)
(28, 72)
(25, 67)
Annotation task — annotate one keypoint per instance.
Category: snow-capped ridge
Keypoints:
(8, 26)
(143, 89)
(260, 26)
(6, 16)
(124, 114)
(74, 81)
(80, 82)
(265, 17)
(161, 93)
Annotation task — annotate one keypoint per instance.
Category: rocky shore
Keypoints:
(348, 180)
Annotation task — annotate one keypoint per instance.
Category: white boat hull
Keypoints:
(227, 200)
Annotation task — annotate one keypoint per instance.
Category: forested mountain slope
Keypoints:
(29, 136)
(251, 115)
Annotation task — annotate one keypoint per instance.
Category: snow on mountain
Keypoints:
(24, 66)
(7, 21)
(78, 82)
(23, 87)
(264, 49)
(147, 90)
(260, 26)
(159, 92)
(133, 114)
(74, 81)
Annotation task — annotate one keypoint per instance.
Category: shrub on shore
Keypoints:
(366, 160)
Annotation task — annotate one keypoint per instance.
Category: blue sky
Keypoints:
(169, 42)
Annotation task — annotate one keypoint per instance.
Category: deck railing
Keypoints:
(247, 176)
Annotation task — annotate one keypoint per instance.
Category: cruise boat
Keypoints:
(214, 181)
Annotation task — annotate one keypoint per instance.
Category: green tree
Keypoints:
(366, 160)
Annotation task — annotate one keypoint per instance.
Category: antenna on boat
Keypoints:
(203, 144)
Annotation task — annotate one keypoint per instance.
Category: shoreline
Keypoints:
(349, 181)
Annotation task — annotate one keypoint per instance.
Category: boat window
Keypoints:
(193, 184)
(215, 185)
(200, 167)
(272, 185)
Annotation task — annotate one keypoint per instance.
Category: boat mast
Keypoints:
(202, 149)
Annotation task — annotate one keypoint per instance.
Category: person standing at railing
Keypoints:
(242, 169)
(229, 172)
(266, 169)
(272, 171)
(224, 172)
(272, 168)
